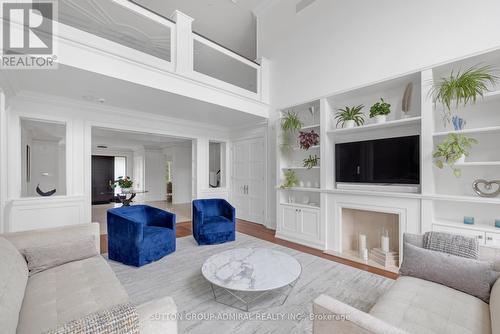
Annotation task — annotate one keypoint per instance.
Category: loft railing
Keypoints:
(165, 43)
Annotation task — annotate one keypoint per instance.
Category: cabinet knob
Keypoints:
(480, 237)
(489, 238)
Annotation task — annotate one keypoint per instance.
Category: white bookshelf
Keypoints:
(377, 126)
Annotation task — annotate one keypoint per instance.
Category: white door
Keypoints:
(247, 186)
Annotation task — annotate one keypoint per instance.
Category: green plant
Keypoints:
(291, 122)
(350, 114)
(311, 161)
(291, 179)
(123, 182)
(453, 147)
(380, 108)
(463, 87)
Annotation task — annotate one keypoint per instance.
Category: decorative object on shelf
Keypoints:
(405, 104)
(301, 184)
(380, 110)
(458, 123)
(497, 223)
(384, 241)
(311, 161)
(461, 88)
(125, 184)
(487, 186)
(469, 220)
(386, 259)
(316, 184)
(308, 139)
(291, 179)
(309, 184)
(305, 200)
(291, 199)
(455, 147)
(45, 193)
(312, 111)
(350, 117)
(291, 122)
(361, 245)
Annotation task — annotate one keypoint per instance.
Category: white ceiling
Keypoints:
(127, 140)
(223, 21)
(81, 85)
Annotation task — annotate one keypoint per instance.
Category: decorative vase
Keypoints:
(380, 119)
(361, 245)
(404, 115)
(349, 124)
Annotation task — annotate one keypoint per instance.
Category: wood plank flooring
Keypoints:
(259, 231)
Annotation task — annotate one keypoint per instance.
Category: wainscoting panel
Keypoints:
(35, 213)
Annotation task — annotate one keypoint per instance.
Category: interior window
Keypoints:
(43, 158)
(120, 171)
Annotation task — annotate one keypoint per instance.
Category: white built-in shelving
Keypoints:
(377, 126)
(489, 129)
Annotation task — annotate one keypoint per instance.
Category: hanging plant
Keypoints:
(291, 179)
(311, 161)
(291, 122)
(455, 147)
(308, 139)
(461, 88)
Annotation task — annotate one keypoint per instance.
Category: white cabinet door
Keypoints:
(492, 239)
(309, 223)
(289, 215)
(247, 180)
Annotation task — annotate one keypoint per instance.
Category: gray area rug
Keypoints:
(179, 275)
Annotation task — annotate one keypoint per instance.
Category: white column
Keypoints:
(202, 146)
(427, 141)
(3, 161)
(265, 78)
(183, 50)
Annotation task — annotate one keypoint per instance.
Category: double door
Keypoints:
(247, 180)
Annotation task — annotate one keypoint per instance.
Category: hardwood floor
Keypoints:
(259, 231)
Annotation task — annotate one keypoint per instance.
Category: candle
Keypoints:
(361, 244)
(384, 241)
(365, 254)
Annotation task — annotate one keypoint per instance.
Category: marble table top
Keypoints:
(251, 269)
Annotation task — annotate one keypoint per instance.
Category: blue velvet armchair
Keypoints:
(214, 221)
(140, 234)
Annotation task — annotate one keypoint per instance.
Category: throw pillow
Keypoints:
(467, 275)
(49, 256)
(454, 244)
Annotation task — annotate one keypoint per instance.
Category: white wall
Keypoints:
(333, 45)
(154, 176)
(182, 174)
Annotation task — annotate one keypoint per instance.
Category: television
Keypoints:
(380, 161)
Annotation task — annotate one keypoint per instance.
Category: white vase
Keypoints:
(404, 115)
(349, 124)
(380, 119)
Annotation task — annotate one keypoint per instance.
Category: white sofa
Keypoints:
(51, 298)
(414, 306)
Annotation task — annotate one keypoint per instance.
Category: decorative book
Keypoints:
(386, 259)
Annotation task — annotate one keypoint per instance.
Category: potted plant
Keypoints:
(380, 110)
(291, 179)
(348, 117)
(311, 161)
(308, 139)
(453, 149)
(125, 184)
(291, 122)
(461, 88)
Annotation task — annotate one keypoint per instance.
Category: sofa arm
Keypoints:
(335, 317)
(51, 236)
(164, 218)
(158, 316)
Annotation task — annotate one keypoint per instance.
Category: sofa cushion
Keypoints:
(495, 308)
(422, 307)
(216, 224)
(13, 279)
(41, 258)
(71, 291)
(470, 276)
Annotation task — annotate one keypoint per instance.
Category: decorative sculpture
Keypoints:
(44, 194)
(488, 186)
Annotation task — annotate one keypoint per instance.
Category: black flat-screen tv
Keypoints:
(389, 160)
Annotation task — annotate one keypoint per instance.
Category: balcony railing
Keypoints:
(168, 44)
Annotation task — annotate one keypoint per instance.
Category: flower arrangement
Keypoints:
(308, 139)
(311, 161)
(122, 182)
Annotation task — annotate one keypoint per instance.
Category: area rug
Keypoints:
(179, 275)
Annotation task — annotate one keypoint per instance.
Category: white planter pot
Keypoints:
(380, 119)
(461, 160)
(349, 124)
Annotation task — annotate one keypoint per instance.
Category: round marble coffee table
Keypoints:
(248, 274)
